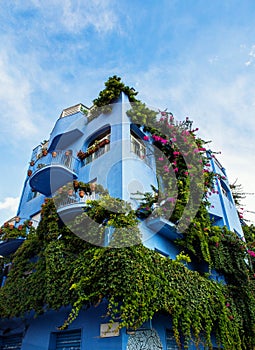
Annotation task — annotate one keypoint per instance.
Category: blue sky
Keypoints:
(195, 57)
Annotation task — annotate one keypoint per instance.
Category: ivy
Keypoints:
(55, 267)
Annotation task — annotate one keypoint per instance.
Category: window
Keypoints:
(137, 146)
(69, 340)
(11, 342)
(226, 191)
(99, 146)
(170, 340)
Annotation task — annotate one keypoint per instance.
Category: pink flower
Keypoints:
(161, 158)
(251, 253)
(176, 170)
(166, 168)
(146, 138)
(175, 153)
(186, 173)
(174, 139)
(227, 305)
(171, 199)
(163, 141)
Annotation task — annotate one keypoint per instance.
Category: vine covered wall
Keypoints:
(55, 268)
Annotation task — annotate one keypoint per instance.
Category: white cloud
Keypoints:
(10, 203)
(15, 93)
(8, 207)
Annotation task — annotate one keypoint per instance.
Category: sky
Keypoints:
(194, 57)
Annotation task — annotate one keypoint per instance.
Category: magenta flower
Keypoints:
(146, 138)
(174, 139)
(251, 253)
(176, 170)
(161, 158)
(175, 153)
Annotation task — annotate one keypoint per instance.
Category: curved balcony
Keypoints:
(53, 171)
(10, 246)
(68, 207)
(163, 227)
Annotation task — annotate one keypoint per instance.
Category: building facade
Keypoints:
(124, 164)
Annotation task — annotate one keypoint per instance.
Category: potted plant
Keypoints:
(81, 193)
(54, 154)
(29, 172)
(81, 155)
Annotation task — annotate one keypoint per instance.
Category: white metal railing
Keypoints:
(139, 149)
(72, 110)
(64, 158)
(73, 199)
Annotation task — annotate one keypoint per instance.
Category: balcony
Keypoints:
(10, 246)
(163, 227)
(70, 206)
(53, 171)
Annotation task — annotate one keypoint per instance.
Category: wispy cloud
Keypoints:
(76, 15)
(15, 99)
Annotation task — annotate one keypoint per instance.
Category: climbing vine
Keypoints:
(55, 268)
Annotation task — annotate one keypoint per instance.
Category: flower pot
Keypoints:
(102, 143)
(81, 155)
(11, 226)
(44, 152)
(20, 227)
(17, 219)
(54, 154)
(81, 193)
(29, 172)
(32, 163)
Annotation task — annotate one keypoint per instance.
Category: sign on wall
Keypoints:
(109, 330)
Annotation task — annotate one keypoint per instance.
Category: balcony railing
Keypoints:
(52, 171)
(75, 199)
(63, 158)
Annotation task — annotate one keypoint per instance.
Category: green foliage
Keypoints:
(55, 267)
(113, 88)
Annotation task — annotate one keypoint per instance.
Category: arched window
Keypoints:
(99, 145)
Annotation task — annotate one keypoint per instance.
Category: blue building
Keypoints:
(124, 164)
